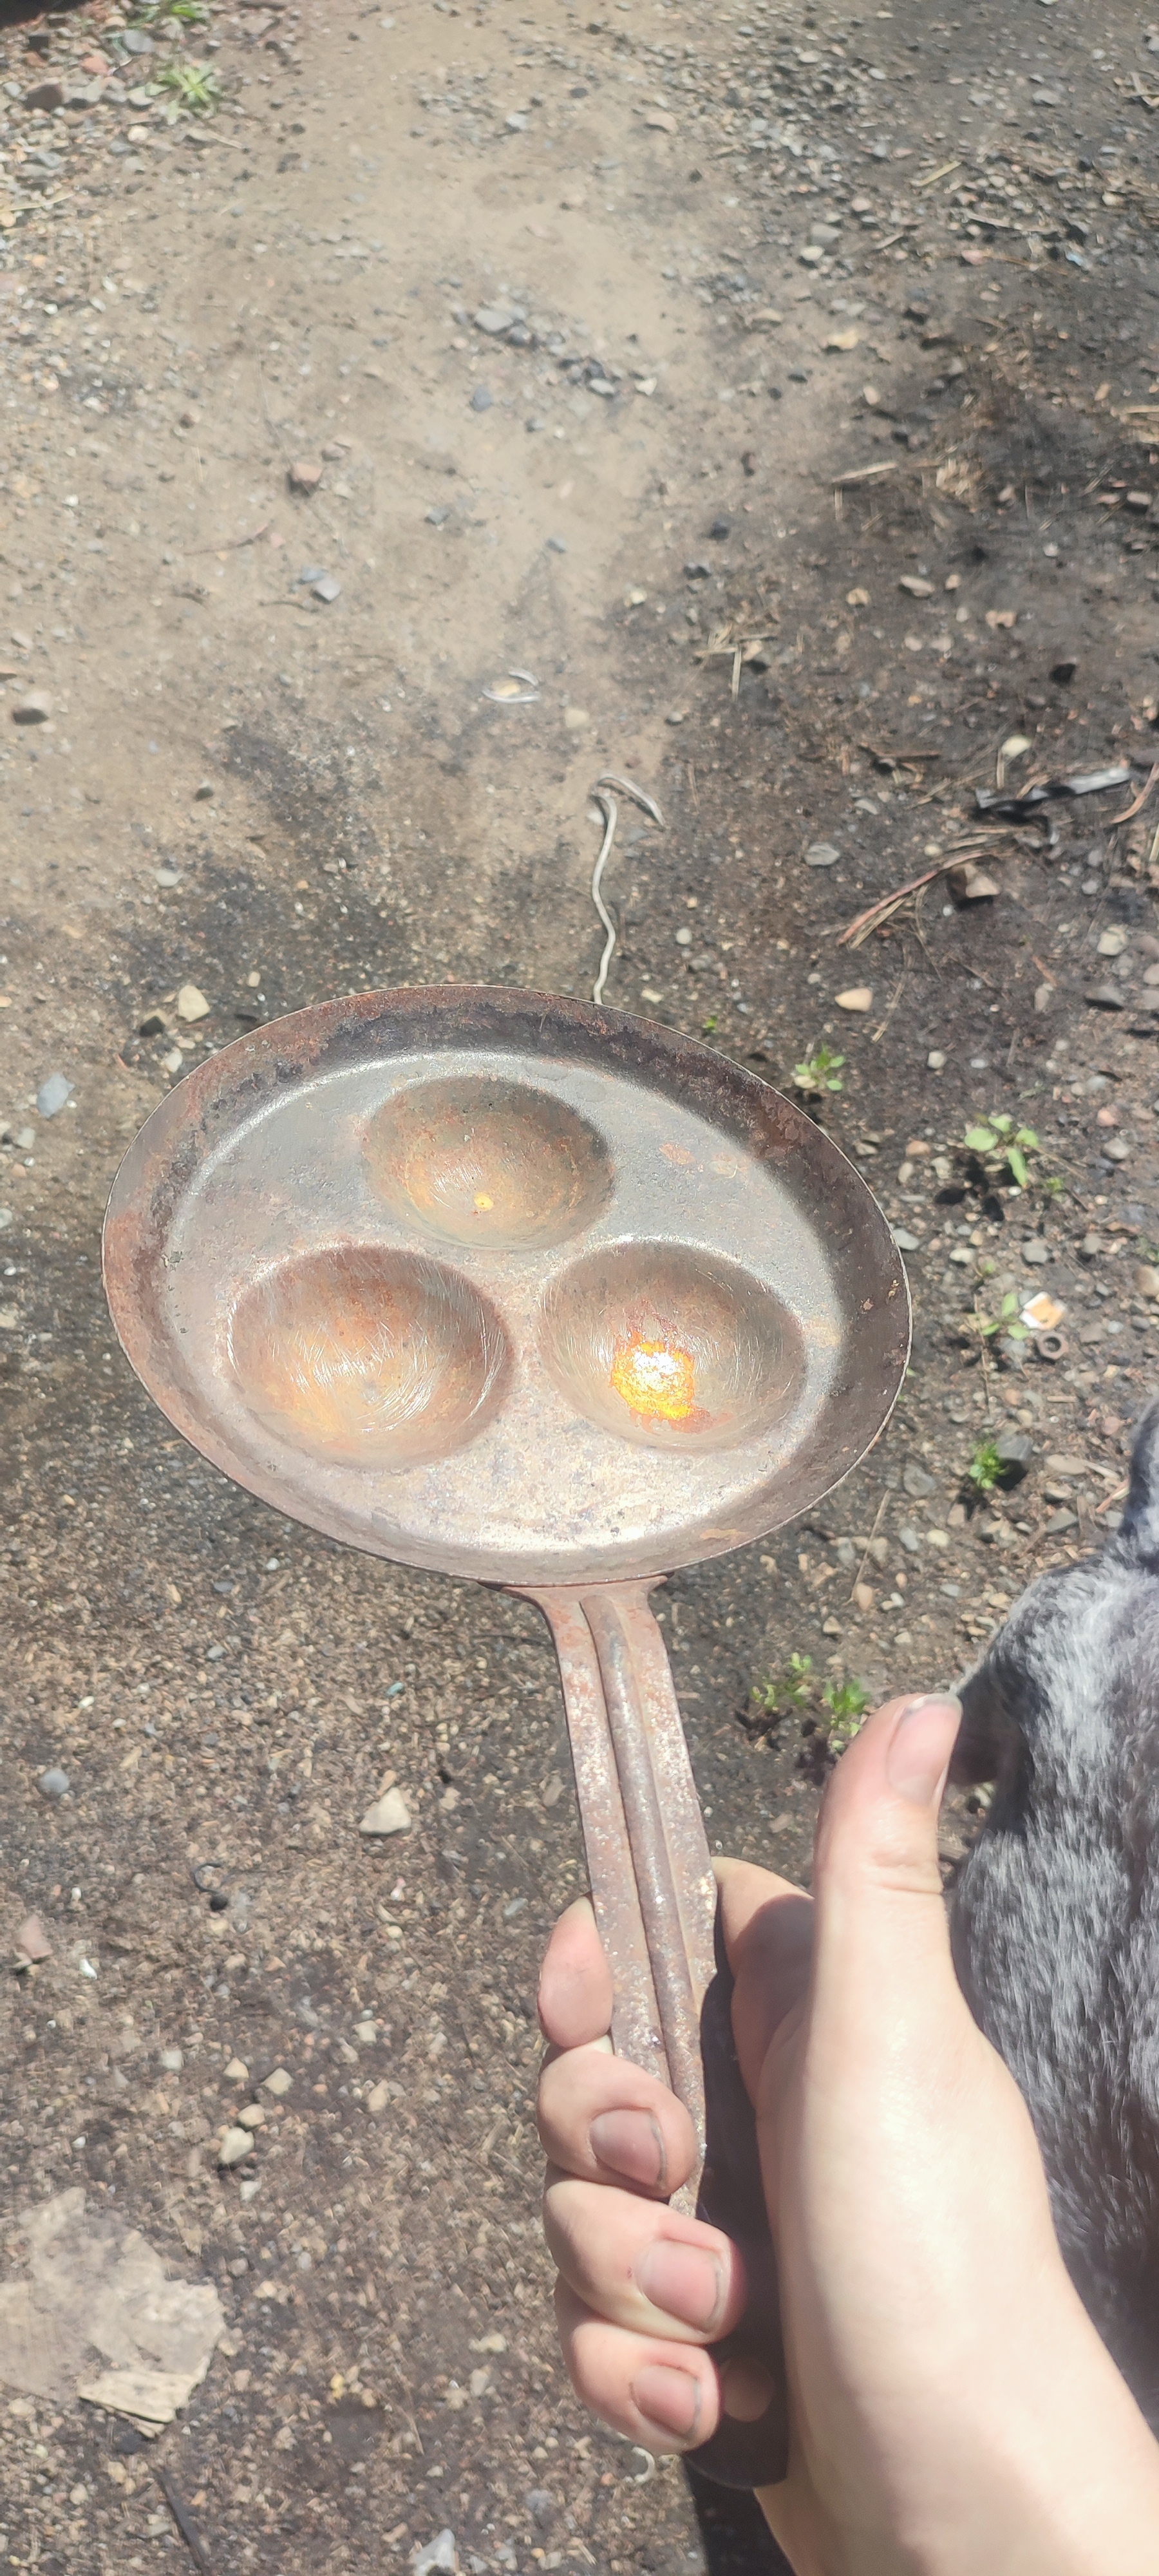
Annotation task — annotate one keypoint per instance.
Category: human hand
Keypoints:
(952, 2409)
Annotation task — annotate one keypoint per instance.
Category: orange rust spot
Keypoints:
(656, 1380)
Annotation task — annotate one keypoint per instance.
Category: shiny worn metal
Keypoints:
(508, 1286)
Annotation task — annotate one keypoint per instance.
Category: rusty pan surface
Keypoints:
(504, 1285)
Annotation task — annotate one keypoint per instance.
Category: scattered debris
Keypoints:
(183, 2518)
(607, 786)
(1023, 807)
(91, 2285)
(518, 689)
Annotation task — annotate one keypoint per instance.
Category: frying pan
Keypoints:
(503, 1285)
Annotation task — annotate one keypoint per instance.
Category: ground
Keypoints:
(801, 455)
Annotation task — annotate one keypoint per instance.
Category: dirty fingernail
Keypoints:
(919, 1755)
(685, 2280)
(630, 2143)
(669, 2398)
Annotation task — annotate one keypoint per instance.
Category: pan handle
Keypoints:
(654, 1897)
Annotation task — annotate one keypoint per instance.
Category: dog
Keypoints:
(1055, 1915)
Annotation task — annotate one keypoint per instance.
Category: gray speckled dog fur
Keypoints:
(1055, 1917)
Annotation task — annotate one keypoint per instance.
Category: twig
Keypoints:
(233, 545)
(891, 1007)
(1113, 1497)
(182, 2517)
(602, 797)
(872, 1535)
(1114, 820)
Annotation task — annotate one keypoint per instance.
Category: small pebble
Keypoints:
(557, 545)
(822, 854)
(858, 998)
(481, 399)
(32, 1939)
(191, 1003)
(575, 719)
(52, 1094)
(935, 1061)
(327, 589)
(304, 477)
(35, 709)
(55, 1784)
(917, 1479)
(235, 2146)
(167, 877)
(389, 1815)
(278, 2083)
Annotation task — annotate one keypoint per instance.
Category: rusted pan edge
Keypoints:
(673, 1873)
(636, 2032)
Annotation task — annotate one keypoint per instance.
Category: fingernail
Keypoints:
(630, 2143)
(919, 1755)
(685, 2280)
(669, 2398)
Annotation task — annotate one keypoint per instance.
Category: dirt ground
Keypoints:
(801, 454)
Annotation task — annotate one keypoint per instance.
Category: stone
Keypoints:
(278, 2084)
(935, 1061)
(390, 1814)
(1063, 671)
(32, 1939)
(135, 41)
(1106, 997)
(1036, 1251)
(576, 719)
(493, 319)
(917, 1480)
(304, 477)
(1117, 1149)
(720, 529)
(1015, 1449)
(48, 94)
(481, 399)
(1145, 1280)
(237, 2072)
(203, 794)
(905, 1241)
(1112, 942)
(172, 2060)
(253, 2116)
(52, 1095)
(1059, 1463)
(557, 545)
(1057, 1522)
(917, 588)
(864, 1597)
(377, 2099)
(909, 1538)
(439, 2557)
(326, 589)
(34, 709)
(858, 998)
(55, 1784)
(191, 1003)
(822, 854)
(235, 2146)
(542, 2507)
(1091, 1247)
(366, 2032)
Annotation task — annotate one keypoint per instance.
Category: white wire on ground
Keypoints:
(602, 796)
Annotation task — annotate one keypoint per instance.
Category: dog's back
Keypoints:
(1055, 1917)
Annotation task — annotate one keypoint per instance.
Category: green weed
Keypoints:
(777, 1692)
(1004, 1147)
(819, 1072)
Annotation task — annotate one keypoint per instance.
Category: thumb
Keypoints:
(881, 1927)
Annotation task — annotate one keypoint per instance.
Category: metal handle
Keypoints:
(654, 1897)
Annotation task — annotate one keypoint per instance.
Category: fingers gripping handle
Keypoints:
(655, 1904)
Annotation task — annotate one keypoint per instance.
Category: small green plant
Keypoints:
(777, 1692)
(194, 86)
(1006, 1321)
(1052, 1185)
(819, 1072)
(847, 1703)
(707, 1027)
(986, 1469)
(1003, 1147)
